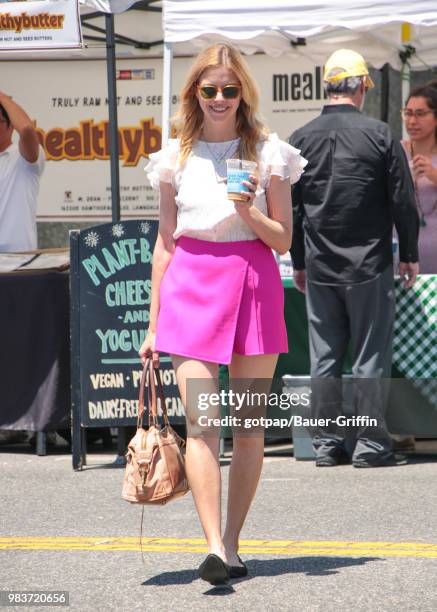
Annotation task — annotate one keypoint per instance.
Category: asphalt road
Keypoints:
(315, 539)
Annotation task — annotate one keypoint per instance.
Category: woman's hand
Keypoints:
(422, 166)
(148, 349)
(251, 184)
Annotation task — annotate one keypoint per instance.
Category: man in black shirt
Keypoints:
(356, 185)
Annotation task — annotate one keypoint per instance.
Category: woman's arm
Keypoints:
(276, 228)
(162, 255)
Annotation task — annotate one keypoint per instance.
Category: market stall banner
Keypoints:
(49, 24)
(69, 104)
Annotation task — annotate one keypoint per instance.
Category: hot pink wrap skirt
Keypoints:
(220, 298)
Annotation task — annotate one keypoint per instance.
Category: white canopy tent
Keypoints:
(279, 27)
(274, 26)
(380, 30)
(109, 6)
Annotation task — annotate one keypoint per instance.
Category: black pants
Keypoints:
(362, 314)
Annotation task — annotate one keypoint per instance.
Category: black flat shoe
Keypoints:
(214, 570)
(238, 571)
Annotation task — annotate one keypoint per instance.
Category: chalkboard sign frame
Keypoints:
(114, 258)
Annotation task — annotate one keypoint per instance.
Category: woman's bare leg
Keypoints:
(201, 459)
(248, 453)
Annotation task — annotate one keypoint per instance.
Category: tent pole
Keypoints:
(113, 123)
(385, 92)
(406, 70)
(405, 85)
(166, 92)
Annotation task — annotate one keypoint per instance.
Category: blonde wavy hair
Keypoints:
(189, 118)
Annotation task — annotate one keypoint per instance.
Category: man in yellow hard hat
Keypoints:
(346, 63)
(356, 185)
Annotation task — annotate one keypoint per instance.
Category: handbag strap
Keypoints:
(144, 383)
(148, 381)
(162, 396)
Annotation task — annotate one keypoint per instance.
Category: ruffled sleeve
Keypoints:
(281, 159)
(163, 165)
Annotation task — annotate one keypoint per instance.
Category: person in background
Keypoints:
(20, 171)
(355, 186)
(217, 296)
(420, 116)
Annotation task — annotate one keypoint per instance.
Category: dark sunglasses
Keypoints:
(229, 92)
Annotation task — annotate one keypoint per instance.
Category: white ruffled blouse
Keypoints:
(204, 210)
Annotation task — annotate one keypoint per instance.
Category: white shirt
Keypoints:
(19, 185)
(204, 210)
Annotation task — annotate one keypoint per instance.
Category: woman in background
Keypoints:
(420, 116)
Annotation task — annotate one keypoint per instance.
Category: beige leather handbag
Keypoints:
(155, 470)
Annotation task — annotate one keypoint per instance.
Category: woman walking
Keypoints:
(217, 297)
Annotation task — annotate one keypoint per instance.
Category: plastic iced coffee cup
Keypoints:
(238, 170)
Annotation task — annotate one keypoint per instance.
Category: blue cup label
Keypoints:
(235, 179)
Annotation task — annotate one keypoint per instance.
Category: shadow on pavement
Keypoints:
(418, 457)
(187, 577)
(311, 566)
(177, 577)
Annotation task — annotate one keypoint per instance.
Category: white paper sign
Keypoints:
(50, 24)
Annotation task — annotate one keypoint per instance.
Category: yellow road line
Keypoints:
(198, 545)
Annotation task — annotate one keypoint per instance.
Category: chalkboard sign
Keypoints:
(110, 297)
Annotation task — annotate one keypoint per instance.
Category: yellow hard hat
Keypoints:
(346, 63)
